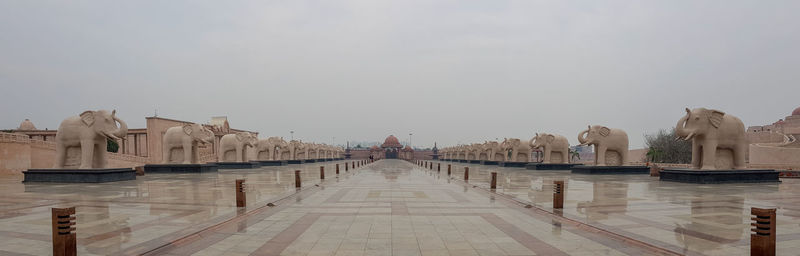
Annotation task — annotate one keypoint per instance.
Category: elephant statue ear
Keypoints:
(88, 117)
(550, 138)
(605, 131)
(716, 118)
(187, 129)
(240, 136)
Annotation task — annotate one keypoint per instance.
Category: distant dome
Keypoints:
(391, 142)
(408, 149)
(26, 125)
(796, 112)
(374, 148)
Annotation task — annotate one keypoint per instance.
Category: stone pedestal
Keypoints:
(719, 176)
(591, 169)
(487, 162)
(295, 161)
(179, 168)
(541, 166)
(513, 164)
(272, 162)
(79, 175)
(310, 160)
(237, 165)
(474, 161)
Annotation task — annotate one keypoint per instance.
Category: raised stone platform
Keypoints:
(719, 176)
(295, 161)
(79, 175)
(310, 160)
(272, 162)
(487, 162)
(513, 164)
(179, 168)
(237, 165)
(475, 161)
(591, 169)
(541, 166)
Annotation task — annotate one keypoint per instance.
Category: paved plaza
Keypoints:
(395, 207)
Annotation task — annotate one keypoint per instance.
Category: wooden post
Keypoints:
(431, 166)
(64, 237)
(345, 167)
(448, 170)
(241, 199)
(337, 169)
(494, 180)
(558, 194)
(466, 173)
(297, 183)
(762, 240)
(322, 172)
(439, 167)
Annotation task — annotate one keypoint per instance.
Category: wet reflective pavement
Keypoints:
(692, 219)
(394, 207)
(132, 217)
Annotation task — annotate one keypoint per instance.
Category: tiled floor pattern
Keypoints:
(686, 218)
(141, 215)
(395, 208)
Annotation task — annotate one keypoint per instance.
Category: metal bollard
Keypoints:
(439, 167)
(297, 179)
(494, 180)
(345, 167)
(64, 237)
(448, 170)
(337, 169)
(558, 194)
(322, 172)
(762, 240)
(431, 166)
(466, 173)
(241, 199)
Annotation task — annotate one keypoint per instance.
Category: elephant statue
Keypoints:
(606, 141)
(520, 152)
(549, 144)
(88, 133)
(298, 150)
(266, 148)
(282, 150)
(493, 151)
(718, 139)
(185, 138)
(233, 147)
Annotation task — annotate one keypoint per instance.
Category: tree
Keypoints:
(112, 146)
(664, 148)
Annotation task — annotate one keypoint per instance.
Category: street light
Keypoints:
(292, 132)
(409, 140)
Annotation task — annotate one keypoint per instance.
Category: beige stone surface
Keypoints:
(610, 144)
(81, 140)
(718, 140)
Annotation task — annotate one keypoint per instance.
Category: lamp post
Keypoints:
(292, 132)
(409, 139)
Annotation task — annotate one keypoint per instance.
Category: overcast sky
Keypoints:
(448, 71)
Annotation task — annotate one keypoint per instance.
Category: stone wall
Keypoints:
(19, 153)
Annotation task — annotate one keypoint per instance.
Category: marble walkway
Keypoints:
(394, 207)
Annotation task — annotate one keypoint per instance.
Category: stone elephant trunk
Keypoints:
(582, 137)
(680, 129)
(122, 131)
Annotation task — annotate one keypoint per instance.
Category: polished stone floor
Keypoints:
(394, 207)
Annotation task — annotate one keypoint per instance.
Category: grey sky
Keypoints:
(448, 71)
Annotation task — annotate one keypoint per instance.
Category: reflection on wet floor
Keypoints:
(395, 207)
(709, 219)
(113, 217)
